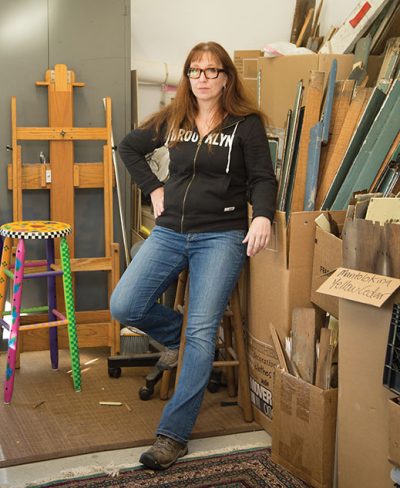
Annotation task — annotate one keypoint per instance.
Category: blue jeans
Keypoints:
(214, 261)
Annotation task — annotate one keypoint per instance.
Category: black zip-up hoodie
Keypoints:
(211, 179)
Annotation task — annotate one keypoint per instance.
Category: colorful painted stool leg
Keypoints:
(16, 308)
(51, 302)
(70, 313)
(5, 264)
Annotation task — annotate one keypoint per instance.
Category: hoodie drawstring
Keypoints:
(230, 147)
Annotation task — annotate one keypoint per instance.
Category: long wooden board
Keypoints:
(392, 29)
(340, 142)
(289, 150)
(341, 102)
(391, 155)
(303, 342)
(279, 349)
(319, 135)
(374, 149)
(301, 9)
(357, 139)
(314, 95)
(357, 23)
(86, 175)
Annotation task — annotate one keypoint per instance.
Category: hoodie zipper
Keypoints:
(194, 169)
(190, 182)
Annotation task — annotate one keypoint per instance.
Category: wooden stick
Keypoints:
(341, 103)
(303, 342)
(314, 95)
(341, 143)
(278, 348)
(301, 9)
(39, 404)
(304, 28)
(316, 20)
(324, 363)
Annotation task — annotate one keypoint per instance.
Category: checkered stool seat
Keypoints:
(35, 229)
(47, 231)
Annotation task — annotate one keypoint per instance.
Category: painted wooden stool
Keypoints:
(47, 231)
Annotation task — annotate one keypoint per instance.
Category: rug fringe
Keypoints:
(114, 470)
(82, 472)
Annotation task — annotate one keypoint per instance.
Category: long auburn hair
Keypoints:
(183, 109)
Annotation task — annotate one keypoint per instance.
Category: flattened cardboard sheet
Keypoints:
(360, 286)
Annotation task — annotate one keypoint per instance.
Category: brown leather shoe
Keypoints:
(163, 453)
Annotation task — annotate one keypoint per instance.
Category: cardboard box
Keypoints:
(394, 431)
(363, 414)
(279, 280)
(280, 276)
(262, 361)
(327, 258)
(246, 63)
(280, 75)
(363, 418)
(304, 429)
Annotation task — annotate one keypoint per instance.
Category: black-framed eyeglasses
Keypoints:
(209, 73)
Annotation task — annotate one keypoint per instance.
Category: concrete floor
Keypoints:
(28, 475)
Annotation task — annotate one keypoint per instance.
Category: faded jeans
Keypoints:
(214, 261)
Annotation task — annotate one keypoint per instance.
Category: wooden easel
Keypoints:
(61, 175)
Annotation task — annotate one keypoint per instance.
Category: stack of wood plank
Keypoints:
(372, 219)
(343, 139)
(380, 19)
(309, 352)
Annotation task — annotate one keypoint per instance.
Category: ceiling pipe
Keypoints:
(156, 72)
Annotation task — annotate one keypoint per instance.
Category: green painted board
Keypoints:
(374, 149)
(384, 184)
(374, 104)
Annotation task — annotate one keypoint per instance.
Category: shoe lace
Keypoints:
(165, 444)
(169, 355)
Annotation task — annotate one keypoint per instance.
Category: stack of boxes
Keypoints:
(287, 275)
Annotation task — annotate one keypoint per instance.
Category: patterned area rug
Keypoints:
(240, 469)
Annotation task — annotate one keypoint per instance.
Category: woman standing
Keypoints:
(219, 159)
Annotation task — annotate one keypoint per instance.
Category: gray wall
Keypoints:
(92, 37)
